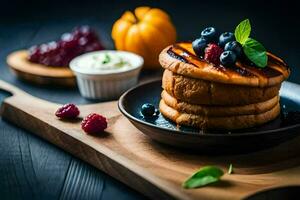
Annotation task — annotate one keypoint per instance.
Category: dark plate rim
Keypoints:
(187, 133)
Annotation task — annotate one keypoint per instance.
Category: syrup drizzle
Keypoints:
(276, 67)
(175, 55)
(182, 51)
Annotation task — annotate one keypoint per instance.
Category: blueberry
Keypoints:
(228, 58)
(234, 46)
(148, 110)
(225, 38)
(199, 46)
(210, 34)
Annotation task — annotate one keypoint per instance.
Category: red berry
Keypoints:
(83, 39)
(53, 46)
(94, 123)
(34, 53)
(85, 31)
(212, 53)
(68, 111)
(95, 46)
(69, 44)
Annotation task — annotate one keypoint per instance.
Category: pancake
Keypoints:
(181, 59)
(205, 110)
(200, 94)
(197, 91)
(225, 122)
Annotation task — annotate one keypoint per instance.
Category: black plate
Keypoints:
(160, 129)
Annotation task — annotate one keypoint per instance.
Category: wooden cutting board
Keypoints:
(153, 169)
(38, 73)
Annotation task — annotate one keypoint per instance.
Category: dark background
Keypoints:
(31, 168)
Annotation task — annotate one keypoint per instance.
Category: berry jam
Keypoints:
(59, 53)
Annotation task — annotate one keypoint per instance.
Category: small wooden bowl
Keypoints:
(38, 73)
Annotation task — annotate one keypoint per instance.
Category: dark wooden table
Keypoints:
(31, 168)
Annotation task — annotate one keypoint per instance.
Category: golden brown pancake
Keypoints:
(197, 91)
(181, 59)
(225, 122)
(200, 94)
(212, 111)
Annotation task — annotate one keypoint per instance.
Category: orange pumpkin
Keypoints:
(146, 32)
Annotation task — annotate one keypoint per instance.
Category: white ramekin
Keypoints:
(104, 85)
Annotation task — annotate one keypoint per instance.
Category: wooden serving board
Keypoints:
(37, 73)
(153, 169)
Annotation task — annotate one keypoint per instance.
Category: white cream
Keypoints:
(106, 62)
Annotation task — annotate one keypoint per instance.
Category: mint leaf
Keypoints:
(256, 52)
(203, 177)
(242, 31)
(106, 59)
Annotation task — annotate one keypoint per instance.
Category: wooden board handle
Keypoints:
(20, 100)
(11, 89)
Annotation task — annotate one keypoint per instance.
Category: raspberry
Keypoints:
(68, 111)
(212, 53)
(94, 123)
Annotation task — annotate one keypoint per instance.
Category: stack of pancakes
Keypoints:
(199, 94)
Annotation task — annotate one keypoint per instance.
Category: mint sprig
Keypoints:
(106, 59)
(204, 176)
(242, 31)
(254, 50)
